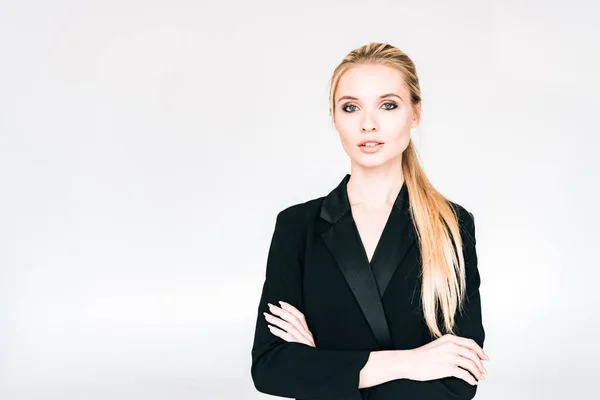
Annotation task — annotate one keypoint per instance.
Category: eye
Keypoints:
(345, 107)
(389, 103)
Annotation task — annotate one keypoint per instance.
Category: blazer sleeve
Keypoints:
(469, 323)
(290, 369)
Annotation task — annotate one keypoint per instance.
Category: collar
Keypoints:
(336, 204)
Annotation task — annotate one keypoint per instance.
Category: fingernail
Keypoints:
(282, 302)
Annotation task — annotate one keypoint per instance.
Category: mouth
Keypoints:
(370, 143)
(370, 146)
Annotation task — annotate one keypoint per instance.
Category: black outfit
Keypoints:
(317, 263)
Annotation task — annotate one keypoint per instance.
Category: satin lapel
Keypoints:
(396, 240)
(343, 242)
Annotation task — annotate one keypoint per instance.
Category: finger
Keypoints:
(287, 316)
(297, 313)
(473, 345)
(287, 327)
(281, 333)
(470, 354)
(288, 337)
(464, 375)
(467, 364)
(470, 343)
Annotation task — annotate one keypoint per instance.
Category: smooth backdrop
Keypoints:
(136, 136)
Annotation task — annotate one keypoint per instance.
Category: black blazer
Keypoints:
(317, 263)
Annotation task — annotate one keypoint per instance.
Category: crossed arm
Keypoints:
(286, 362)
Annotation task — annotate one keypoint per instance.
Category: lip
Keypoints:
(370, 149)
(367, 141)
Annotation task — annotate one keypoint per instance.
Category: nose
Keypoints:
(368, 125)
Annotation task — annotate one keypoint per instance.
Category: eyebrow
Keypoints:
(380, 97)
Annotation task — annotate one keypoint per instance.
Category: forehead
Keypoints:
(371, 81)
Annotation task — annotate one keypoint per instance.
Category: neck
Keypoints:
(375, 189)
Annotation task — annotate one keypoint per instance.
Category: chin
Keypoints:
(370, 160)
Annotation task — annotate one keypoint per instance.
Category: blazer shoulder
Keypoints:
(295, 220)
(466, 223)
(464, 216)
(300, 213)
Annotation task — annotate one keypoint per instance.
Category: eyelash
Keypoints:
(350, 104)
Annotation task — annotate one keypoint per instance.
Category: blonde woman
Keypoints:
(366, 295)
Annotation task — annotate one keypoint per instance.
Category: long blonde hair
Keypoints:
(443, 284)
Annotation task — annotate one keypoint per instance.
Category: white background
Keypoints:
(143, 142)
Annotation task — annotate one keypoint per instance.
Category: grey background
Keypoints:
(143, 143)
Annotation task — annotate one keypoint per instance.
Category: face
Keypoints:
(372, 103)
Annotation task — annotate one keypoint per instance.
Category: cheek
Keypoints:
(345, 129)
(396, 122)
(397, 128)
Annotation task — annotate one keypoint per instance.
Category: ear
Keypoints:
(332, 115)
(416, 115)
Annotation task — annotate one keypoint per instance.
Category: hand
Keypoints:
(447, 356)
(292, 323)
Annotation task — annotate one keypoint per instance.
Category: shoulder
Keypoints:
(463, 214)
(466, 220)
(300, 214)
(293, 222)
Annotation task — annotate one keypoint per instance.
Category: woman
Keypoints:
(349, 309)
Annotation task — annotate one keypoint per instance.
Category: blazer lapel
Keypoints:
(368, 282)
(397, 238)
